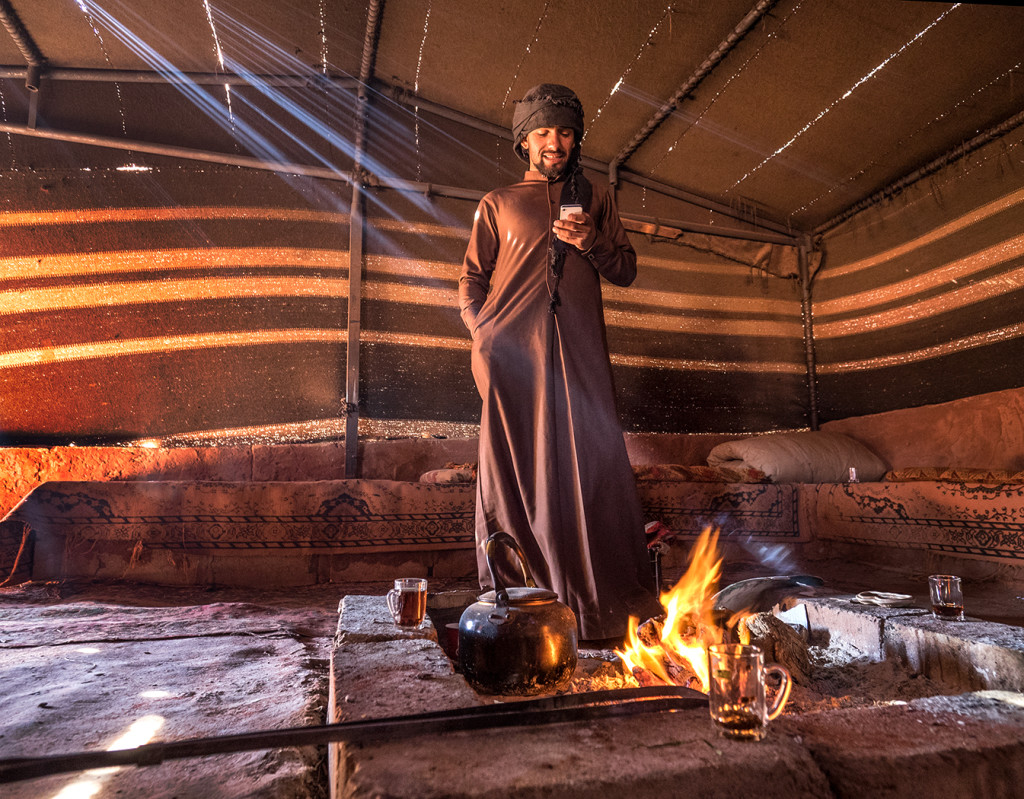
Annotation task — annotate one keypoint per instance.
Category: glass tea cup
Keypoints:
(407, 602)
(737, 697)
(947, 597)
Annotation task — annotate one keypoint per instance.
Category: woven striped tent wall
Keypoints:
(919, 300)
(698, 343)
(190, 303)
(136, 305)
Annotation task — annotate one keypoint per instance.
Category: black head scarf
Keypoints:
(548, 105)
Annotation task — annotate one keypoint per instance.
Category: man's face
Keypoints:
(548, 150)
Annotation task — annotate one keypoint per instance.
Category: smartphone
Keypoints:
(569, 209)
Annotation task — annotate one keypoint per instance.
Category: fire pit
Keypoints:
(882, 696)
(899, 704)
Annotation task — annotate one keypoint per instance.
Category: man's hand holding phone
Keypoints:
(575, 227)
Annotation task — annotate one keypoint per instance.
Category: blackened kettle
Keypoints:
(517, 640)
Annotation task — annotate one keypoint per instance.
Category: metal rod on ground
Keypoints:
(550, 710)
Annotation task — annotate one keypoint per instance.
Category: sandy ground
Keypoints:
(84, 664)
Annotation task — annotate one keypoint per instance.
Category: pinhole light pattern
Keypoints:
(416, 91)
(903, 142)
(218, 54)
(825, 111)
(651, 35)
(526, 52)
(322, 16)
(10, 136)
(696, 120)
(84, 6)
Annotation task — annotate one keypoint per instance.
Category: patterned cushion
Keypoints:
(919, 473)
(451, 473)
(699, 474)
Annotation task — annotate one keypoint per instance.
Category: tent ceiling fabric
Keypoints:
(817, 107)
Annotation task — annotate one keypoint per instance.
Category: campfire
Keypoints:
(672, 649)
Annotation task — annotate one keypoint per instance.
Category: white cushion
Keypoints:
(810, 457)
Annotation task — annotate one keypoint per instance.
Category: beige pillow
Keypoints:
(811, 457)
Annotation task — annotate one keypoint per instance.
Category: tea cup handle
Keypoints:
(392, 600)
(783, 693)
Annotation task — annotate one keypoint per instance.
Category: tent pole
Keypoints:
(355, 247)
(354, 328)
(803, 264)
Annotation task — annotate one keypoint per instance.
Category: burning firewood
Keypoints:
(663, 665)
(680, 672)
(646, 678)
(649, 633)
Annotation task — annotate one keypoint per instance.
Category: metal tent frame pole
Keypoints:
(355, 248)
(688, 86)
(803, 264)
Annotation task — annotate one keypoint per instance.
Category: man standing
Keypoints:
(553, 469)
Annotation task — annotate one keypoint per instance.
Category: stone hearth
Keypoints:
(967, 741)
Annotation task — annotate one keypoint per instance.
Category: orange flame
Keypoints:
(689, 627)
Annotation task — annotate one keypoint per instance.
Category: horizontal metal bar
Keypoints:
(711, 205)
(175, 151)
(173, 78)
(715, 230)
(228, 159)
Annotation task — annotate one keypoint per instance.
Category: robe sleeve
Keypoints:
(478, 265)
(611, 253)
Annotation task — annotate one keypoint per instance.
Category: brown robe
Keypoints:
(553, 469)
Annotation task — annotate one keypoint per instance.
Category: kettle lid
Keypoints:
(520, 595)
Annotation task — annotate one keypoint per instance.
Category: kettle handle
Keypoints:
(504, 539)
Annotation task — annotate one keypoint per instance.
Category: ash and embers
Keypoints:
(839, 676)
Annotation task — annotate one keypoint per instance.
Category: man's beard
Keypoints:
(553, 172)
